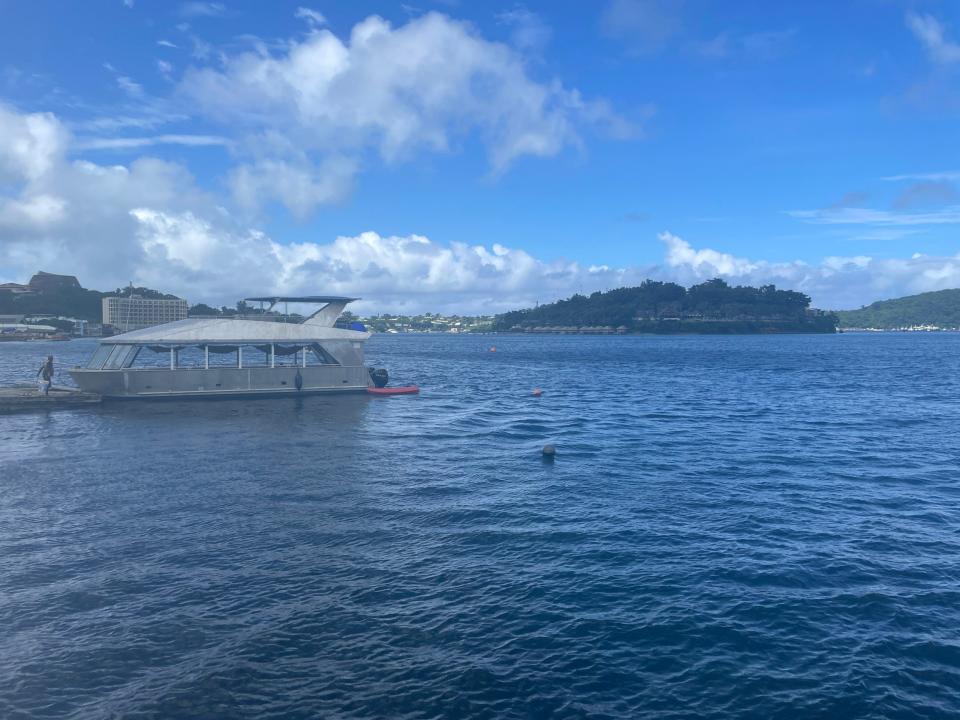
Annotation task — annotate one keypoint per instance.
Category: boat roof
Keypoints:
(200, 331)
(302, 299)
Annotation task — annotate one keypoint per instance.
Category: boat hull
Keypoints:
(221, 382)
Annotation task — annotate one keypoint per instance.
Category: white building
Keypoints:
(134, 313)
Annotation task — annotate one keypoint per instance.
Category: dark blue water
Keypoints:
(734, 527)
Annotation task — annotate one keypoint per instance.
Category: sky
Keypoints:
(476, 157)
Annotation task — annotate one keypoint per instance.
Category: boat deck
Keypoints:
(19, 398)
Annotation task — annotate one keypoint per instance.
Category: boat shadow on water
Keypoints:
(343, 409)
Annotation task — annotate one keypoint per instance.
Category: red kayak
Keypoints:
(408, 390)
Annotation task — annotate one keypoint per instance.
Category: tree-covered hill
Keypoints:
(67, 301)
(663, 307)
(940, 308)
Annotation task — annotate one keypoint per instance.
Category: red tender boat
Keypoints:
(407, 390)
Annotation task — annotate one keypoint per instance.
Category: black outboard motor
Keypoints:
(378, 376)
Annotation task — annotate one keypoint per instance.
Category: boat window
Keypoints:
(100, 356)
(158, 358)
(131, 356)
(118, 356)
(323, 356)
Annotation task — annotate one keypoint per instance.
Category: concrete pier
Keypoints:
(18, 398)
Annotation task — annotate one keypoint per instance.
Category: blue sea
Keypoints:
(733, 527)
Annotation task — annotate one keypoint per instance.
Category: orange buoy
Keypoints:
(537, 392)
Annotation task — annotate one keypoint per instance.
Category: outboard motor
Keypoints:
(378, 376)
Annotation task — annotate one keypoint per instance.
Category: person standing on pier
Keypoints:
(45, 375)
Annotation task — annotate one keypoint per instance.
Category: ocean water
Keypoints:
(733, 527)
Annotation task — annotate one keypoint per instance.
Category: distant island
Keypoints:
(712, 307)
(939, 310)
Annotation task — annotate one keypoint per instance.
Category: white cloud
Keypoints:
(74, 216)
(836, 283)
(131, 88)
(300, 186)
(643, 25)
(166, 43)
(766, 45)
(425, 85)
(932, 35)
(708, 263)
(202, 9)
(127, 143)
(30, 145)
(149, 222)
(947, 176)
(311, 17)
(528, 30)
(867, 216)
(37, 211)
(889, 233)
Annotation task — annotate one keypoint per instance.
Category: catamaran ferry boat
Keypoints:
(205, 357)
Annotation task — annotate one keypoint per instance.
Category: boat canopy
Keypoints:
(204, 331)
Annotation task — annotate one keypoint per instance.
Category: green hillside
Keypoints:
(941, 308)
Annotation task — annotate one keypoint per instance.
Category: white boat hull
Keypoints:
(221, 382)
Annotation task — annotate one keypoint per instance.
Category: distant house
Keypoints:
(44, 282)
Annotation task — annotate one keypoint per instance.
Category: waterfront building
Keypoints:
(134, 312)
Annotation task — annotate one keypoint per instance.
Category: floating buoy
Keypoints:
(537, 392)
(549, 451)
(493, 348)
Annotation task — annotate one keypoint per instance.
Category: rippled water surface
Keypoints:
(734, 527)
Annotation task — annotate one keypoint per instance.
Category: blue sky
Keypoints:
(481, 155)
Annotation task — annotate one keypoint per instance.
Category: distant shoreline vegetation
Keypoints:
(938, 310)
(712, 307)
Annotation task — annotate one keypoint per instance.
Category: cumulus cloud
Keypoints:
(30, 145)
(423, 86)
(836, 282)
(58, 213)
(300, 186)
(148, 222)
